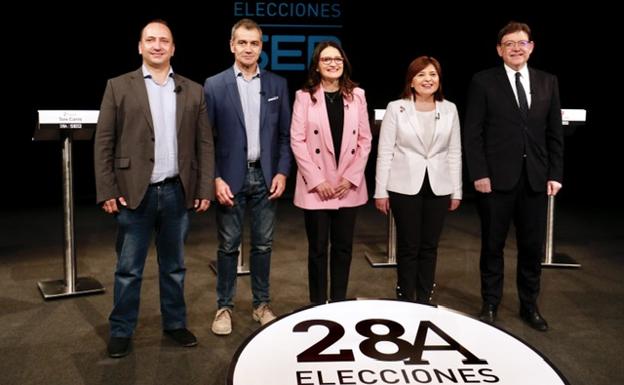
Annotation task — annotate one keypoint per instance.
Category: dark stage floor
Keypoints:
(64, 341)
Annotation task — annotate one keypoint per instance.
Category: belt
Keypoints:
(173, 179)
(254, 164)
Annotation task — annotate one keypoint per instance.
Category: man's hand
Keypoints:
(223, 193)
(483, 185)
(278, 185)
(201, 205)
(454, 204)
(110, 206)
(553, 187)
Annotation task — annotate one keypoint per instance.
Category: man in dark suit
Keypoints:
(513, 142)
(154, 160)
(250, 112)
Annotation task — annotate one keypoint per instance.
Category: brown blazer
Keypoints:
(124, 141)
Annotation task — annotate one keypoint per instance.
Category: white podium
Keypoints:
(571, 118)
(67, 126)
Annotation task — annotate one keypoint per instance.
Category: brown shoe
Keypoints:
(222, 324)
(263, 314)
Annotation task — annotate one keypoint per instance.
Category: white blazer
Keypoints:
(402, 158)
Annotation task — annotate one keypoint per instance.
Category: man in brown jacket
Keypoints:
(154, 160)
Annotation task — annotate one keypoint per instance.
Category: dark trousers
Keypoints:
(162, 211)
(262, 212)
(527, 210)
(419, 219)
(333, 228)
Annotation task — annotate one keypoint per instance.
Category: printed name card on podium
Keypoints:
(79, 124)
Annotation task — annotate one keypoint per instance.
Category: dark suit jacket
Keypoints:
(496, 132)
(225, 112)
(124, 141)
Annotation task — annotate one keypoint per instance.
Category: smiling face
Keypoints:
(246, 45)
(331, 64)
(156, 45)
(426, 82)
(515, 49)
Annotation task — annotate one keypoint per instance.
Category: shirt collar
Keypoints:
(524, 71)
(238, 72)
(148, 75)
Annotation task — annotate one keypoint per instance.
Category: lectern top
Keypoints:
(77, 124)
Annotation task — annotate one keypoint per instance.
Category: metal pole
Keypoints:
(69, 245)
(550, 224)
(241, 269)
(387, 259)
(71, 285)
(552, 259)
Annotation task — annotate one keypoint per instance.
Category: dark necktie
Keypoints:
(522, 99)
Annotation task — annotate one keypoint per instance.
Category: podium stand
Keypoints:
(571, 118)
(241, 268)
(67, 126)
(387, 259)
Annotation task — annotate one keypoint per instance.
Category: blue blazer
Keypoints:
(226, 116)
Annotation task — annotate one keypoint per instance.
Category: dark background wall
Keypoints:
(60, 58)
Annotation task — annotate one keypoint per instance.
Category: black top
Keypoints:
(335, 112)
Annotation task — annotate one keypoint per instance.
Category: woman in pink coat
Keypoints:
(331, 140)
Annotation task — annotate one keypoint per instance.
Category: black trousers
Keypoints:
(527, 210)
(419, 219)
(333, 228)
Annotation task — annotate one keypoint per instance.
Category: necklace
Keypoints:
(332, 96)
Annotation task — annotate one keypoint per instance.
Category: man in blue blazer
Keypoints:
(513, 142)
(250, 112)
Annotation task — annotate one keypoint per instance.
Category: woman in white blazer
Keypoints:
(419, 173)
(331, 139)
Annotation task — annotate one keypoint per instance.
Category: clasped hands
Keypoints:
(327, 192)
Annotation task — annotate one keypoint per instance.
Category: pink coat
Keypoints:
(313, 148)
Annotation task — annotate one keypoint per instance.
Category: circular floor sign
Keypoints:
(383, 342)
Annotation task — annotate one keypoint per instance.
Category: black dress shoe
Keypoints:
(182, 336)
(118, 347)
(488, 313)
(533, 318)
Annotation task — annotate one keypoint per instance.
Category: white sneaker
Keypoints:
(263, 314)
(222, 324)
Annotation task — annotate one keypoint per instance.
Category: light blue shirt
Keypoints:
(249, 91)
(162, 102)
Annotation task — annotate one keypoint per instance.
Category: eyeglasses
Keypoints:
(327, 60)
(512, 44)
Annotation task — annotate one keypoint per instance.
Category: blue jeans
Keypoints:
(163, 211)
(254, 194)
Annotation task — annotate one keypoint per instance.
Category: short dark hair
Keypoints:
(247, 24)
(511, 27)
(158, 21)
(417, 65)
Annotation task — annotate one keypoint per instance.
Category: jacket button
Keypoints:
(152, 160)
(353, 132)
(315, 132)
(152, 139)
(317, 151)
(353, 151)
